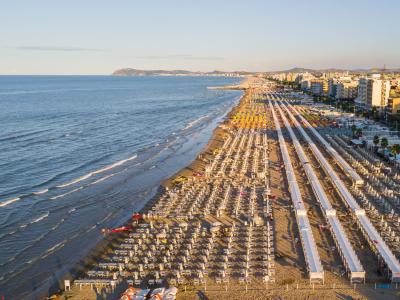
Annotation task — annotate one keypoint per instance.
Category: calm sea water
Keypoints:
(79, 153)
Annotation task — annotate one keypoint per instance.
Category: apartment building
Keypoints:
(346, 90)
(373, 92)
(332, 87)
(319, 86)
(316, 87)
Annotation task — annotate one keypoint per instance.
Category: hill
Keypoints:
(136, 72)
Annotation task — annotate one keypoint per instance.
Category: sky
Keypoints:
(100, 36)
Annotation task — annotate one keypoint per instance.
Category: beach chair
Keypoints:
(138, 281)
(157, 294)
(170, 294)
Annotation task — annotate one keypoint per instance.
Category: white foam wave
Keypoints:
(9, 233)
(38, 219)
(105, 218)
(84, 177)
(91, 228)
(103, 178)
(52, 249)
(189, 125)
(75, 180)
(118, 163)
(9, 201)
(67, 193)
(55, 247)
(42, 217)
(72, 210)
(41, 192)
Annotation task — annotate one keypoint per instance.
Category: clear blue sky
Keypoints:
(99, 36)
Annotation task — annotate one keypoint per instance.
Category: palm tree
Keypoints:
(395, 149)
(353, 129)
(376, 141)
(359, 132)
(384, 143)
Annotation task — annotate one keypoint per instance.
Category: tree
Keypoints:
(376, 141)
(375, 113)
(359, 132)
(353, 129)
(395, 149)
(384, 143)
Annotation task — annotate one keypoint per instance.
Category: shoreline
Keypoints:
(195, 166)
(137, 186)
(219, 226)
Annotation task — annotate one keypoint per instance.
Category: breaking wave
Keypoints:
(7, 202)
(84, 177)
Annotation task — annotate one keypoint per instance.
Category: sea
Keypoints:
(82, 153)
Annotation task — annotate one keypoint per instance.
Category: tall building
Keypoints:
(346, 90)
(305, 84)
(319, 86)
(373, 92)
(332, 86)
(325, 87)
(291, 77)
(393, 105)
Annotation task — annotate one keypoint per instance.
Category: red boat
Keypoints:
(121, 229)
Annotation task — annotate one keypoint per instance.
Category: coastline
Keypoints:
(200, 217)
(133, 189)
(196, 166)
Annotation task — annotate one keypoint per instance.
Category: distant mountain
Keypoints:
(136, 72)
(372, 70)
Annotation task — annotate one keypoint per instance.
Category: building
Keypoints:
(291, 77)
(332, 85)
(393, 105)
(373, 92)
(319, 86)
(325, 87)
(305, 85)
(346, 90)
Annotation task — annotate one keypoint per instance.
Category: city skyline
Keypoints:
(98, 37)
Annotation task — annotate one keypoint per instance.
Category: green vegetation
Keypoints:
(353, 129)
(384, 142)
(395, 150)
(376, 141)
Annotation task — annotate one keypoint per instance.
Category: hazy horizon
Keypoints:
(98, 37)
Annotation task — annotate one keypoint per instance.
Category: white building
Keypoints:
(373, 92)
